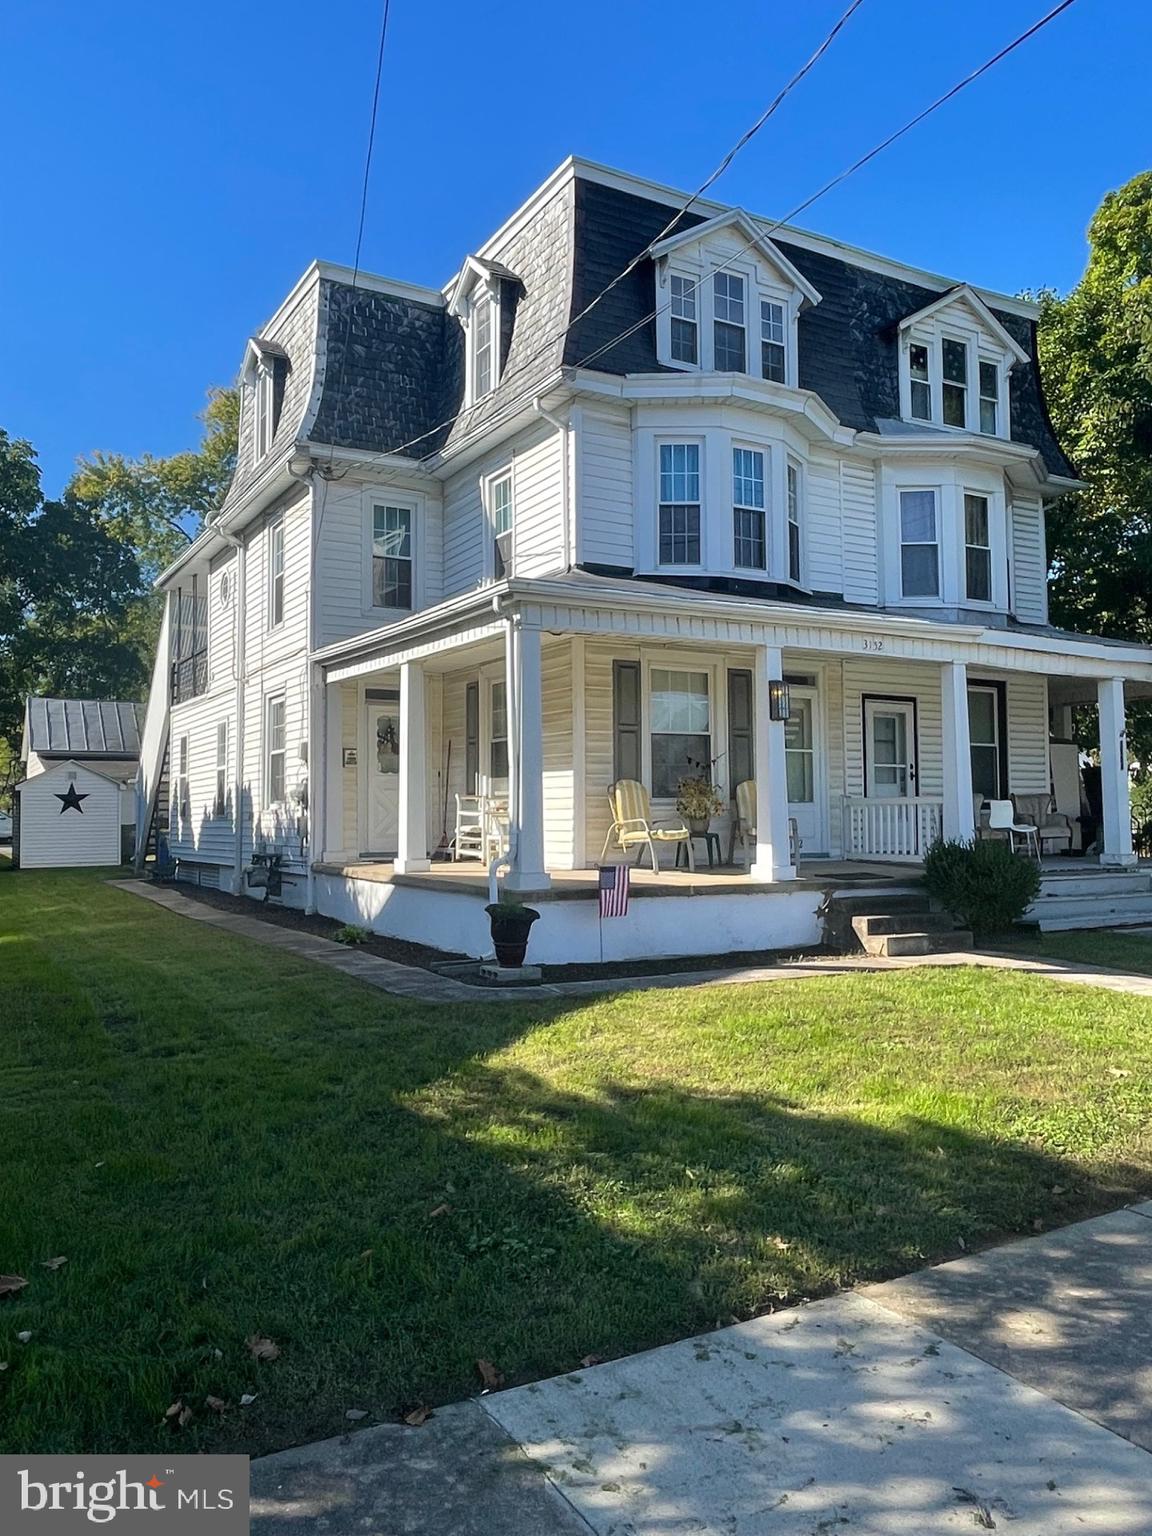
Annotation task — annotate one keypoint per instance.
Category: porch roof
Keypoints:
(585, 602)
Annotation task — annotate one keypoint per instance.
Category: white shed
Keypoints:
(69, 815)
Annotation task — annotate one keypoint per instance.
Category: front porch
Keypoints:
(885, 743)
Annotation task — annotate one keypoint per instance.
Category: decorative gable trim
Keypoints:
(966, 295)
(736, 220)
(474, 272)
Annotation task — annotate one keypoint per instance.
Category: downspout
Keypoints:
(562, 427)
(238, 672)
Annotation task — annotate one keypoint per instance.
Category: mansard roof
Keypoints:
(395, 354)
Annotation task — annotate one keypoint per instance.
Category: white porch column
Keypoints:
(526, 762)
(412, 850)
(773, 856)
(332, 832)
(958, 816)
(1114, 775)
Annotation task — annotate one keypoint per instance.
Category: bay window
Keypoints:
(680, 728)
(750, 545)
(729, 329)
(977, 549)
(795, 563)
(919, 544)
(679, 510)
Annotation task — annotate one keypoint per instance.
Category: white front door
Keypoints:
(889, 749)
(382, 738)
(804, 755)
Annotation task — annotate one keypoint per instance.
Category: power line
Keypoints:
(511, 405)
(710, 180)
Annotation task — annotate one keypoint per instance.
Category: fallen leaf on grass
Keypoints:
(25, 1336)
(3, 1365)
(416, 1416)
(355, 1414)
(261, 1348)
(10, 1284)
(489, 1375)
(591, 1360)
(783, 1243)
(178, 1415)
(217, 1404)
(248, 1397)
(57, 1263)
(441, 1210)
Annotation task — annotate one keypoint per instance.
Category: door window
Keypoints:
(387, 732)
(799, 753)
(891, 744)
(984, 733)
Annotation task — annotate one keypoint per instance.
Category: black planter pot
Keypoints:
(510, 930)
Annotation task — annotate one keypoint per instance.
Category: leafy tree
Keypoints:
(1096, 359)
(157, 505)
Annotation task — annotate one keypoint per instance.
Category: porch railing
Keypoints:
(890, 829)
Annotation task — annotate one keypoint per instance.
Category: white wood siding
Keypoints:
(605, 494)
(860, 532)
(559, 845)
(890, 679)
(53, 837)
(821, 524)
(202, 834)
(1029, 560)
(1029, 772)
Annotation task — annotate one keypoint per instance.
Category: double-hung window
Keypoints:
(481, 344)
(275, 749)
(919, 544)
(685, 324)
(792, 493)
(500, 516)
(681, 728)
(679, 515)
(954, 373)
(920, 380)
(498, 732)
(750, 548)
(179, 806)
(276, 573)
(265, 427)
(392, 557)
(984, 735)
(977, 549)
(989, 398)
(220, 804)
(729, 326)
(773, 357)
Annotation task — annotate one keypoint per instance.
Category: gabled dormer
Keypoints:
(265, 373)
(481, 298)
(727, 301)
(955, 358)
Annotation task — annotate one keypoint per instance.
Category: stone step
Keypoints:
(899, 945)
(1121, 882)
(1101, 911)
(878, 923)
(861, 903)
(1087, 919)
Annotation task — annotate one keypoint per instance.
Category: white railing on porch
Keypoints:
(890, 829)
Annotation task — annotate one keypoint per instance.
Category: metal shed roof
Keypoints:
(82, 728)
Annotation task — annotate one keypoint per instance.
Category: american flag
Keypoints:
(614, 890)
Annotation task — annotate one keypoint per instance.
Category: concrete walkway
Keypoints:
(414, 982)
(1010, 1390)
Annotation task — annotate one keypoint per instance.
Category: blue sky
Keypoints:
(172, 169)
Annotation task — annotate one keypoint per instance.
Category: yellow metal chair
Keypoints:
(633, 826)
(744, 826)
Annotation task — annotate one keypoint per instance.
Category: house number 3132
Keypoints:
(873, 645)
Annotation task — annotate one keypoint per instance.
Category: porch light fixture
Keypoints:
(779, 700)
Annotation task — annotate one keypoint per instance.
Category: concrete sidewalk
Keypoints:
(1008, 1390)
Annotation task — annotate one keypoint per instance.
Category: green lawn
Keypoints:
(224, 1142)
(1117, 950)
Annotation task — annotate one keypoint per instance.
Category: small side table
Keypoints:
(711, 842)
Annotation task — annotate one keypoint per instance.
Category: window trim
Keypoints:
(729, 276)
(280, 697)
(794, 476)
(674, 661)
(488, 487)
(223, 741)
(180, 803)
(999, 690)
(980, 351)
(762, 285)
(969, 601)
(763, 453)
(275, 577)
(391, 504)
(934, 599)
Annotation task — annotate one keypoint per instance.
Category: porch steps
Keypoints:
(1107, 899)
(892, 924)
(895, 934)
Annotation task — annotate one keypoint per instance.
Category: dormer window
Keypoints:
(955, 358)
(715, 284)
(265, 374)
(480, 345)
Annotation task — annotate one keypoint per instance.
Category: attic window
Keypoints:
(265, 377)
(955, 357)
(483, 333)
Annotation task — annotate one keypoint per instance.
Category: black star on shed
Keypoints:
(71, 801)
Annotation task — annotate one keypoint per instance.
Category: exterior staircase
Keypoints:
(892, 924)
(1092, 898)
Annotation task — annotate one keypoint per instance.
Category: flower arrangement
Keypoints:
(698, 800)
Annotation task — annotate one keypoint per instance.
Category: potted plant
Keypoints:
(511, 923)
(698, 800)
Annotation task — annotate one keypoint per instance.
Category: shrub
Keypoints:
(984, 884)
(350, 934)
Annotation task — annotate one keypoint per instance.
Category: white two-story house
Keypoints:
(512, 533)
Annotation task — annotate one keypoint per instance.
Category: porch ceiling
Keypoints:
(1082, 690)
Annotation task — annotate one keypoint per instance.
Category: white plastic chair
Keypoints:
(1002, 818)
